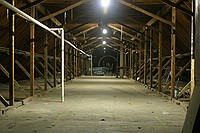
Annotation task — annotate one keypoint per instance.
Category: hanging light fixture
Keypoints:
(105, 3)
(104, 31)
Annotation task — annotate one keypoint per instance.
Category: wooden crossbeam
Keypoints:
(16, 83)
(43, 76)
(147, 13)
(184, 89)
(178, 7)
(133, 29)
(89, 29)
(179, 73)
(3, 100)
(44, 11)
(27, 73)
(63, 10)
(34, 3)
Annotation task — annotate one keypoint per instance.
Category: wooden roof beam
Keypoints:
(45, 12)
(89, 29)
(178, 7)
(162, 12)
(34, 3)
(146, 12)
(63, 10)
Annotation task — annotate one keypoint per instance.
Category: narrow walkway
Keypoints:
(96, 105)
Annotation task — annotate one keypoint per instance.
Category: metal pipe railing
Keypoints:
(29, 18)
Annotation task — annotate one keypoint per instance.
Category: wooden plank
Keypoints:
(44, 11)
(151, 58)
(140, 62)
(27, 74)
(173, 49)
(15, 82)
(63, 10)
(40, 73)
(185, 88)
(162, 12)
(54, 62)
(32, 4)
(124, 32)
(145, 59)
(32, 52)
(147, 13)
(160, 59)
(178, 7)
(11, 54)
(3, 100)
(87, 30)
(45, 62)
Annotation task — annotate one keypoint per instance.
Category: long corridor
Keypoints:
(96, 105)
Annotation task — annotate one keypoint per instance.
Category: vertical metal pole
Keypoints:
(145, 59)
(91, 64)
(45, 62)
(160, 58)
(151, 58)
(173, 47)
(32, 52)
(192, 53)
(62, 66)
(54, 58)
(11, 54)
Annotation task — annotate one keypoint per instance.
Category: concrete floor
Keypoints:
(96, 105)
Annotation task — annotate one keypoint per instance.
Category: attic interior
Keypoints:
(48, 44)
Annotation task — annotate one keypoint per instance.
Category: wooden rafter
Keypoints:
(63, 10)
(146, 12)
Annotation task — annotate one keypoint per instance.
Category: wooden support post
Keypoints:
(32, 52)
(140, 62)
(136, 64)
(45, 62)
(11, 54)
(173, 48)
(130, 63)
(145, 59)
(76, 63)
(160, 58)
(151, 58)
(70, 62)
(54, 62)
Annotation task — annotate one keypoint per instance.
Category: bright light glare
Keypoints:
(105, 31)
(105, 3)
(104, 42)
(104, 48)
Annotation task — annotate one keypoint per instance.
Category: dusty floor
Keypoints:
(98, 105)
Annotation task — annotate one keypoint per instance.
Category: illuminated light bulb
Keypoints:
(105, 3)
(104, 42)
(105, 31)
